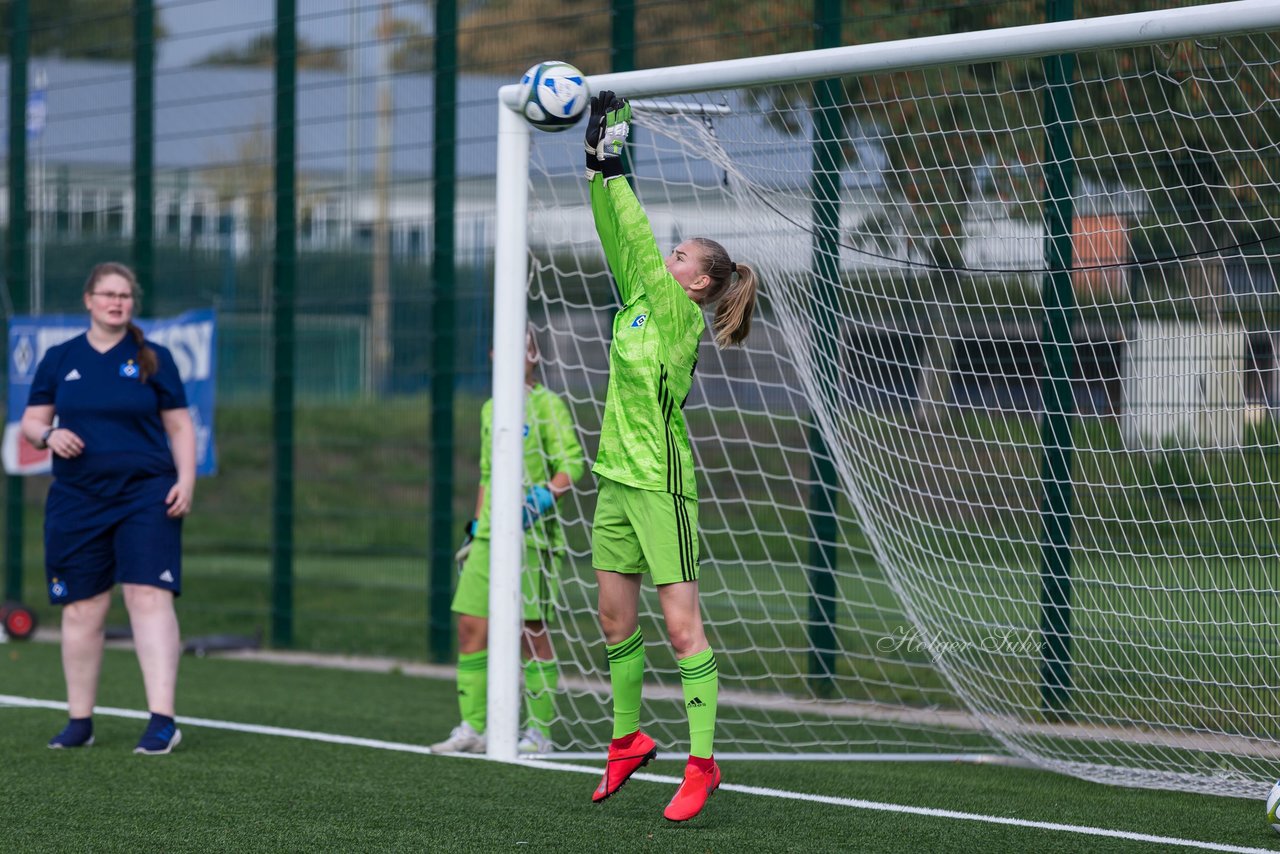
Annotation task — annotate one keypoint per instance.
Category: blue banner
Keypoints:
(190, 337)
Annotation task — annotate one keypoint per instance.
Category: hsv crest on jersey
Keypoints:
(129, 369)
(639, 321)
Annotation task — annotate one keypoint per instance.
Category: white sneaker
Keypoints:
(463, 739)
(533, 743)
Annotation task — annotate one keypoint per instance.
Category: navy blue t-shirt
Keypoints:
(99, 398)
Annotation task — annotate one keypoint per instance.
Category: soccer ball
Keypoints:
(553, 95)
(1273, 802)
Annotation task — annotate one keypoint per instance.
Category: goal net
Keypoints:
(995, 472)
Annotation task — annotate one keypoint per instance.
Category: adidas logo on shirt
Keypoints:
(74, 375)
(166, 576)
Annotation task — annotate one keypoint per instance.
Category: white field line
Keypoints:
(759, 791)
(749, 756)
(849, 710)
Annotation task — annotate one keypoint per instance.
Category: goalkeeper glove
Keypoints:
(537, 502)
(607, 130)
(468, 536)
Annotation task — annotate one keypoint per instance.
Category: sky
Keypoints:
(199, 27)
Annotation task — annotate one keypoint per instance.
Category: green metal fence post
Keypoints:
(622, 35)
(825, 183)
(284, 269)
(144, 103)
(444, 170)
(1058, 397)
(16, 263)
(622, 49)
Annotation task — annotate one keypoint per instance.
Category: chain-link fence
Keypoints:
(350, 271)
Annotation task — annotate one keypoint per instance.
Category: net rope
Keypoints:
(900, 352)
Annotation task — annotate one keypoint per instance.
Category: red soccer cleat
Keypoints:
(623, 762)
(693, 792)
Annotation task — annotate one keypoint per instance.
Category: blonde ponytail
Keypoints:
(734, 308)
(732, 291)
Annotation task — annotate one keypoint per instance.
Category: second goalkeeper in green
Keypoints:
(646, 517)
(553, 460)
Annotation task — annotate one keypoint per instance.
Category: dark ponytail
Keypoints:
(148, 364)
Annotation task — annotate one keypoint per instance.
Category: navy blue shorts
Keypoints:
(92, 543)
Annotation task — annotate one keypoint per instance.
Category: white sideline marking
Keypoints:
(256, 729)
(749, 756)
(855, 803)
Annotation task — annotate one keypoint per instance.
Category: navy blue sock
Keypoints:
(158, 722)
(76, 733)
(159, 734)
(78, 729)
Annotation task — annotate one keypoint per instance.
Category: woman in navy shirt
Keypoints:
(111, 408)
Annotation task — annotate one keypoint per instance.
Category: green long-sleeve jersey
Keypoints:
(644, 441)
(550, 445)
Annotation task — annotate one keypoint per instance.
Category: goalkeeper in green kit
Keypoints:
(647, 513)
(553, 460)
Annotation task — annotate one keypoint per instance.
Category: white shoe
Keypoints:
(533, 743)
(463, 739)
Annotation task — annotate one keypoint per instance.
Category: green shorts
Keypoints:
(538, 582)
(638, 530)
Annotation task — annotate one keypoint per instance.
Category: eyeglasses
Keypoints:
(112, 296)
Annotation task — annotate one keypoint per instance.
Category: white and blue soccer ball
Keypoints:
(553, 95)
(1273, 803)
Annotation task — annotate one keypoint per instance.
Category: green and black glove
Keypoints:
(468, 537)
(607, 127)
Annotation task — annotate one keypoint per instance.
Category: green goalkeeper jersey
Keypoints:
(644, 441)
(550, 445)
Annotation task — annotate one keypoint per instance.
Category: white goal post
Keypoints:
(927, 527)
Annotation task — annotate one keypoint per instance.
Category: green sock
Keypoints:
(701, 682)
(540, 681)
(473, 687)
(626, 675)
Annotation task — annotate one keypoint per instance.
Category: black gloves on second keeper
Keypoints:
(607, 127)
(468, 537)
